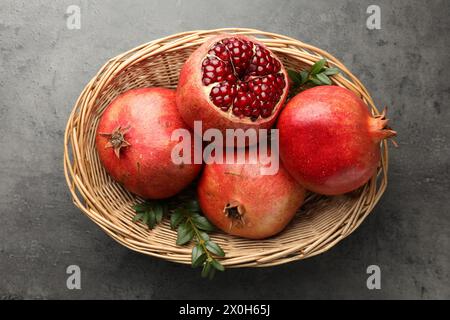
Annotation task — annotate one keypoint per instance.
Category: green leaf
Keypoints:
(150, 212)
(304, 75)
(199, 261)
(185, 234)
(158, 211)
(323, 78)
(217, 265)
(295, 77)
(204, 236)
(315, 69)
(214, 248)
(198, 256)
(145, 218)
(206, 269)
(151, 219)
(331, 71)
(137, 217)
(192, 206)
(176, 218)
(316, 81)
(212, 272)
(140, 207)
(202, 223)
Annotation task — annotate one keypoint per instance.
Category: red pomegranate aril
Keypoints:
(247, 111)
(263, 95)
(280, 81)
(219, 70)
(227, 99)
(218, 100)
(221, 52)
(224, 89)
(215, 90)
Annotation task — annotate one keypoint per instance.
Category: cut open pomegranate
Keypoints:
(232, 81)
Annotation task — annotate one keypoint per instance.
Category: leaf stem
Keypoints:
(200, 239)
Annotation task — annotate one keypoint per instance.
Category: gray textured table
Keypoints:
(44, 66)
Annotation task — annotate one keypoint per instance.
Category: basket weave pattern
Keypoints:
(320, 224)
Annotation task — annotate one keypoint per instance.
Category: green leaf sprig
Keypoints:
(191, 225)
(317, 75)
(150, 212)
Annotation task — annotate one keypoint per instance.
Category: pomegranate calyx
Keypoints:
(117, 139)
(235, 212)
(381, 129)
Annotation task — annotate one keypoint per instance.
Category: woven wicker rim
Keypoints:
(320, 224)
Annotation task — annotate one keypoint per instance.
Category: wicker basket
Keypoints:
(321, 223)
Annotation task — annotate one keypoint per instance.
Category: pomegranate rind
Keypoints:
(328, 142)
(267, 202)
(144, 166)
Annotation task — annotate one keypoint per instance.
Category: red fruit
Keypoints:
(241, 201)
(134, 143)
(329, 142)
(232, 81)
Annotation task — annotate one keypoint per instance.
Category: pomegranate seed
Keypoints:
(219, 70)
(263, 95)
(218, 100)
(222, 95)
(265, 113)
(231, 78)
(227, 99)
(244, 86)
(247, 111)
(247, 78)
(236, 111)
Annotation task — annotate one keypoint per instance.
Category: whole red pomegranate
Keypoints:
(241, 201)
(232, 81)
(134, 144)
(329, 142)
